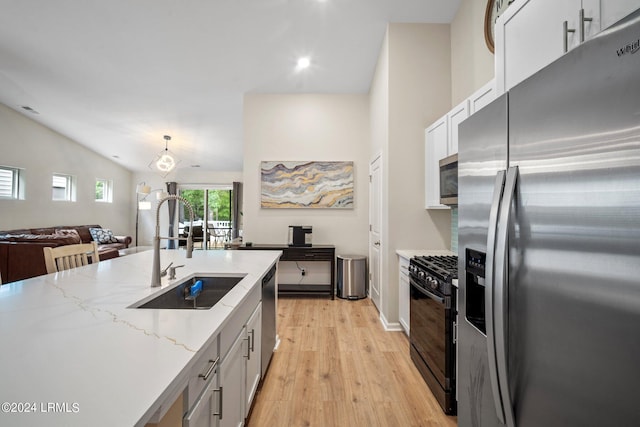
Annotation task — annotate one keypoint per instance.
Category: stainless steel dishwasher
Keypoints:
(268, 318)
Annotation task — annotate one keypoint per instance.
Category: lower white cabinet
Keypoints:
(404, 293)
(205, 411)
(240, 370)
(233, 383)
(254, 369)
(202, 397)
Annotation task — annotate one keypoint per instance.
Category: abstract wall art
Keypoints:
(307, 185)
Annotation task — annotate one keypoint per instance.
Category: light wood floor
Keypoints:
(336, 366)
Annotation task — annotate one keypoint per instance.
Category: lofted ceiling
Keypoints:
(118, 75)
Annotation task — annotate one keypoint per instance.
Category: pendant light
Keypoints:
(165, 161)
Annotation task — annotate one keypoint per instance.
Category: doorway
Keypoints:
(213, 215)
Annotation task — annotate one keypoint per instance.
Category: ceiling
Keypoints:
(118, 75)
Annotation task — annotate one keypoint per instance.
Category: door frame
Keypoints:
(378, 158)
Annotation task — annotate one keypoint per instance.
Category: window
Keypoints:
(104, 190)
(63, 187)
(9, 183)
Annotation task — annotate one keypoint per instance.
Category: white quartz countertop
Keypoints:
(73, 354)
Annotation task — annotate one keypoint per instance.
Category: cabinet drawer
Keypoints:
(234, 325)
(311, 254)
(202, 371)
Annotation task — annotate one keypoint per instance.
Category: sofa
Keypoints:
(22, 255)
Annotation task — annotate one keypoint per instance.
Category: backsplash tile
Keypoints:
(454, 230)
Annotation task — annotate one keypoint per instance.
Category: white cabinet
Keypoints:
(611, 11)
(531, 34)
(482, 97)
(441, 140)
(240, 369)
(205, 411)
(203, 395)
(254, 341)
(454, 117)
(436, 147)
(233, 383)
(403, 293)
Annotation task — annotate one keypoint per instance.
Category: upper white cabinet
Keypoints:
(482, 97)
(531, 34)
(436, 147)
(441, 140)
(454, 117)
(611, 11)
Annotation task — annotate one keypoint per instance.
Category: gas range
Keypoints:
(434, 273)
(432, 317)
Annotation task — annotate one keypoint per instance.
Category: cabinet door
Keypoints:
(530, 35)
(591, 23)
(404, 294)
(202, 413)
(455, 116)
(435, 149)
(614, 10)
(254, 333)
(482, 97)
(232, 382)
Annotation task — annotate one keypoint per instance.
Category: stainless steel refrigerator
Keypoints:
(549, 244)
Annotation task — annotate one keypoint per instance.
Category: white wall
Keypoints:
(472, 63)
(379, 105)
(42, 152)
(147, 218)
(411, 88)
(307, 127)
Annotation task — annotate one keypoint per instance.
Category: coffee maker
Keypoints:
(300, 235)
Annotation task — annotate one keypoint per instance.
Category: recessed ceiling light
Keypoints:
(303, 63)
(195, 166)
(29, 109)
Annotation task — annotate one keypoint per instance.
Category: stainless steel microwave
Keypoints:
(449, 180)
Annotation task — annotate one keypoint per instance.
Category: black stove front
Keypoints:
(432, 324)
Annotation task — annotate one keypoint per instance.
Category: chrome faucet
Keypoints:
(156, 272)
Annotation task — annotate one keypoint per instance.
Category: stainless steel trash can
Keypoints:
(352, 276)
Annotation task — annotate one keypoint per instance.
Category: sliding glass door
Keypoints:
(212, 206)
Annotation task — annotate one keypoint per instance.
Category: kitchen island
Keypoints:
(75, 354)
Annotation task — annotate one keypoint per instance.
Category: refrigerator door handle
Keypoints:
(489, 292)
(501, 285)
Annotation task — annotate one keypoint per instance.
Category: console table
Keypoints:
(303, 253)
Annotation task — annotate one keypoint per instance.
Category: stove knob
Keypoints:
(433, 283)
(421, 274)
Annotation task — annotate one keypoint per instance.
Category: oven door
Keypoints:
(428, 330)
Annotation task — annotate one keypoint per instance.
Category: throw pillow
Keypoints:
(102, 235)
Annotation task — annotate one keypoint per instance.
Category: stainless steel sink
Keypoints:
(176, 298)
